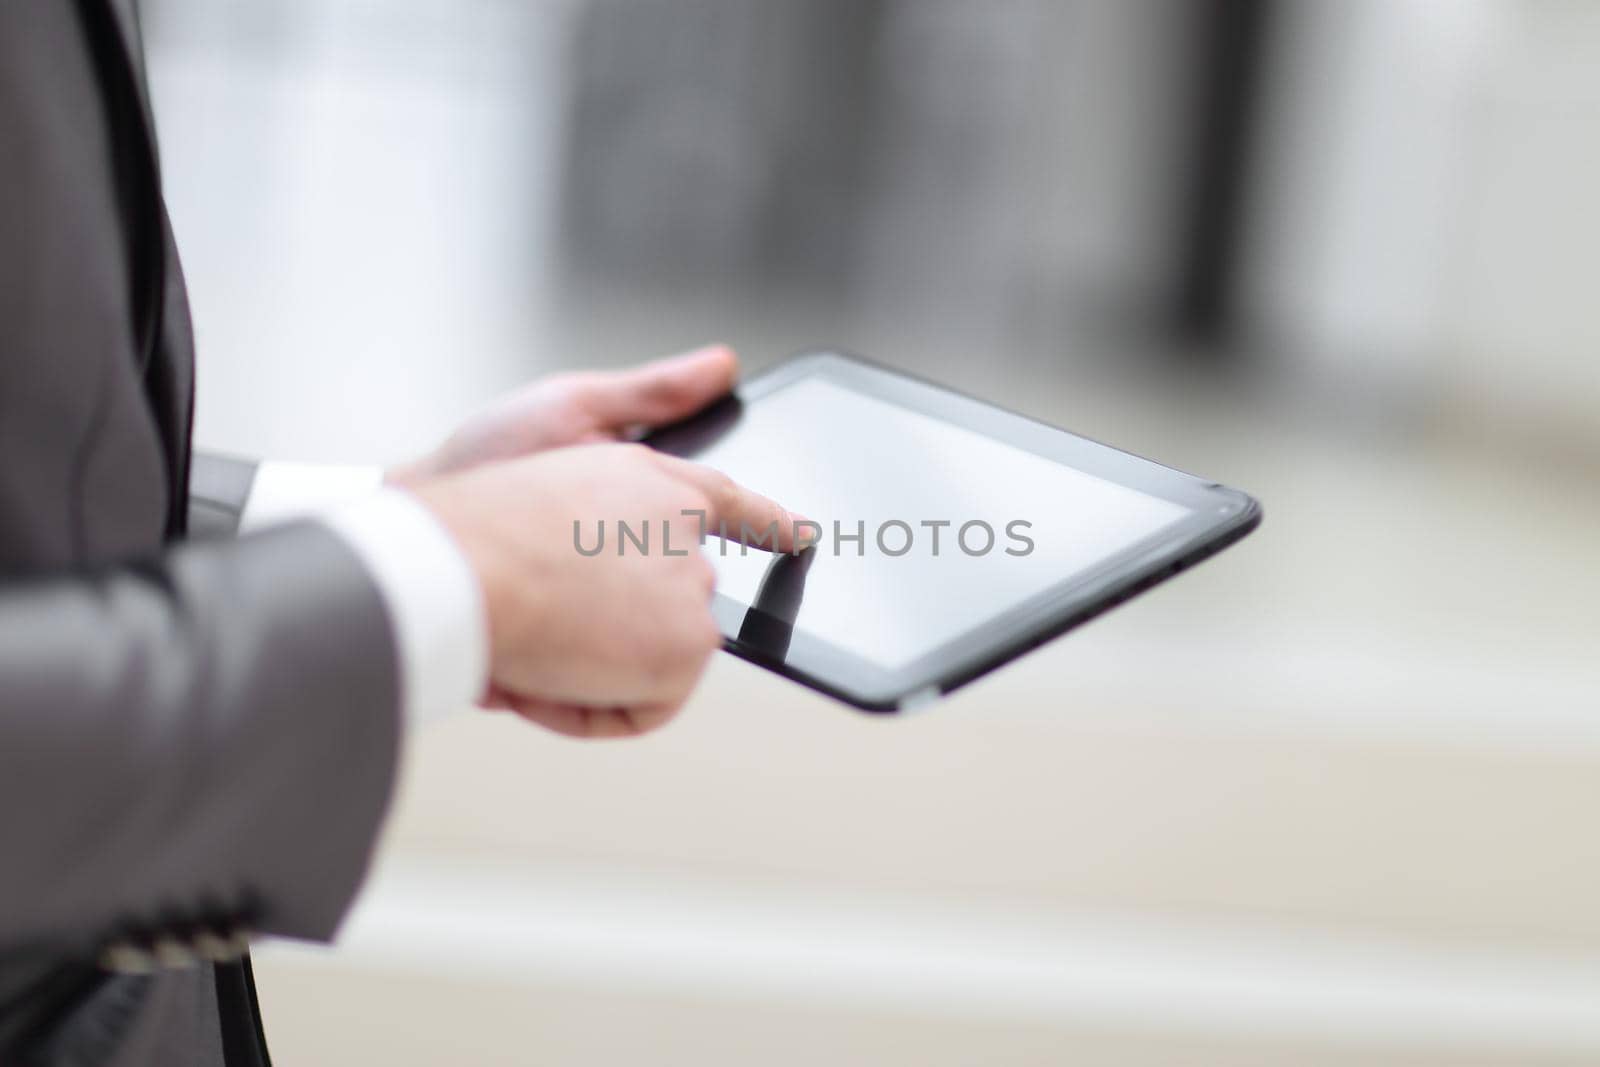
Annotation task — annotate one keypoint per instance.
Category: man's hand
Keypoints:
(606, 644)
(581, 408)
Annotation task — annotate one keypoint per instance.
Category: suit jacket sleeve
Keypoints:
(205, 737)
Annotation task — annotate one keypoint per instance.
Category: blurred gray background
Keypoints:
(1331, 798)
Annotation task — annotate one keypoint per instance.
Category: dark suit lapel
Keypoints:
(125, 14)
(113, 27)
(165, 343)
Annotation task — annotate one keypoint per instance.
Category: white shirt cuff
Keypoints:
(283, 491)
(432, 596)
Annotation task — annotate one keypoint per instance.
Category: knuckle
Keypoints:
(630, 722)
(671, 389)
(692, 499)
(724, 490)
(582, 389)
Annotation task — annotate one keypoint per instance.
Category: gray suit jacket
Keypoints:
(197, 735)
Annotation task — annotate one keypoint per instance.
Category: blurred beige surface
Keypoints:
(556, 1026)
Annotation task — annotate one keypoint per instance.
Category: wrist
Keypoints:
(446, 499)
(432, 594)
(411, 474)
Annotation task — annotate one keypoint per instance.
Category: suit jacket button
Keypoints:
(210, 946)
(170, 952)
(239, 940)
(124, 957)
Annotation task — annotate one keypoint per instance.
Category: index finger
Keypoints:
(737, 513)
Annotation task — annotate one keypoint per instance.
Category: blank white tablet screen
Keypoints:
(892, 474)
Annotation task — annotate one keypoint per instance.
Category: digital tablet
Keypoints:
(955, 535)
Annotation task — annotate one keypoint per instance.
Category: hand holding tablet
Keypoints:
(953, 535)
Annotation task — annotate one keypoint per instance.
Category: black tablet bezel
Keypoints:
(1219, 516)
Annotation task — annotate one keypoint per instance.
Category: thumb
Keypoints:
(662, 391)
